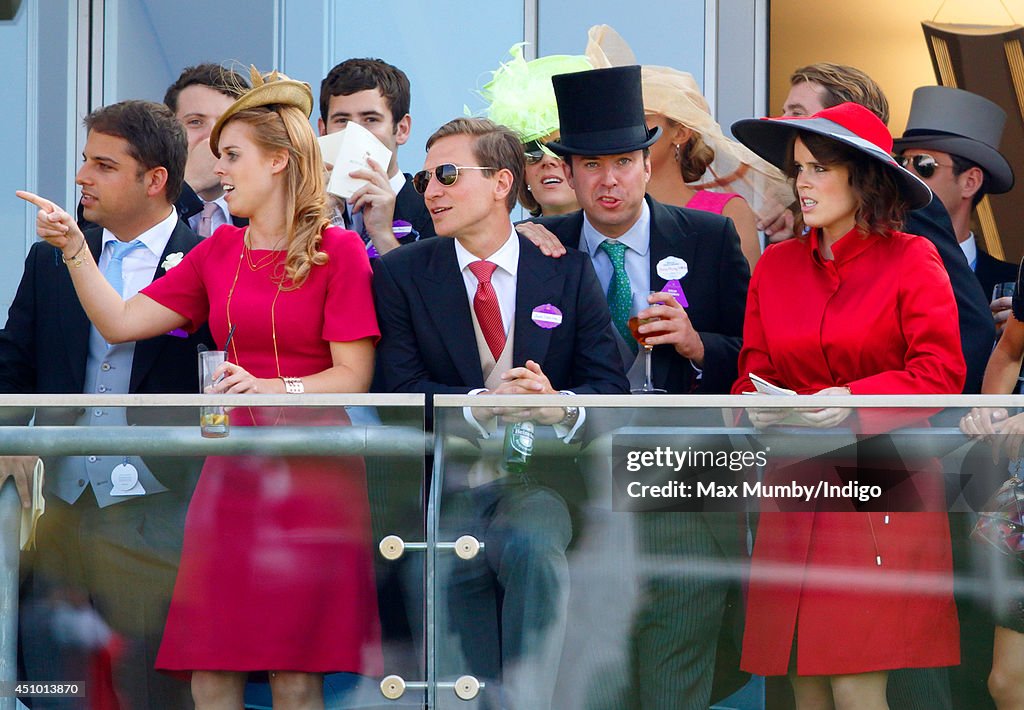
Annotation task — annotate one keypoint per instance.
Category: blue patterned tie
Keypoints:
(620, 293)
(113, 273)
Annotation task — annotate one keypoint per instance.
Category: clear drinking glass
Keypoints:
(213, 421)
(634, 324)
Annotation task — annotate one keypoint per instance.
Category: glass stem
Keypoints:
(648, 381)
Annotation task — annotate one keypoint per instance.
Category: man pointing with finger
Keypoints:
(114, 524)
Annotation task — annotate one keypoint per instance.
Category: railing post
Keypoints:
(10, 526)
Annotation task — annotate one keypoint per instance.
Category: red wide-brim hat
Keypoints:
(848, 123)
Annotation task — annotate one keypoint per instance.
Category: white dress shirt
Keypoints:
(140, 265)
(504, 282)
(638, 255)
(970, 249)
(503, 279)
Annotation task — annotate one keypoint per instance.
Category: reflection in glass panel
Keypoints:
(147, 43)
(671, 552)
(262, 544)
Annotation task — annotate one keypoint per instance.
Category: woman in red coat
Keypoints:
(852, 307)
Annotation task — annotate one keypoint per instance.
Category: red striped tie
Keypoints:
(485, 304)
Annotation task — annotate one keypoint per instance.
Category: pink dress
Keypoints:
(277, 569)
(709, 201)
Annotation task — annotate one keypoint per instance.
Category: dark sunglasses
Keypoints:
(533, 152)
(924, 165)
(446, 174)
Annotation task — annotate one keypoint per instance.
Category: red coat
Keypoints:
(880, 319)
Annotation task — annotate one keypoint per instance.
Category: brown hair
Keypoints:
(694, 156)
(155, 138)
(495, 146)
(213, 76)
(355, 75)
(880, 204)
(842, 83)
(278, 127)
(527, 200)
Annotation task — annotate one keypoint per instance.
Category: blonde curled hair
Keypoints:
(282, 127)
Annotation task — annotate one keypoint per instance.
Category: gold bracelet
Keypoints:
(76, 260)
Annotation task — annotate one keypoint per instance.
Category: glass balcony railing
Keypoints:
(647, 552)
(263, 540)
(669, 546)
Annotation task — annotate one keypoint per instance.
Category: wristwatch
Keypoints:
(571, 415)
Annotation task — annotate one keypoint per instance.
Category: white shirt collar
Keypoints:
(155, 238)
(397, 182)
(970, 248)
(506, 257)
(637, 237)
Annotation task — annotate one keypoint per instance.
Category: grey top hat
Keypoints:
(959, 123)
(601, 112)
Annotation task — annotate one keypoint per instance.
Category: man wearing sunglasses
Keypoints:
(952, 142)
(485, 312)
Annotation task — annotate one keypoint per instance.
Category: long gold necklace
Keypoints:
(273, 307)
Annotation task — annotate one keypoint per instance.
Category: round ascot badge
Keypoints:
(401, 229)
(547, 316)
(124, 477)
(672, 268)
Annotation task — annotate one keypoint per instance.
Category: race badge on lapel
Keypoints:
(672, 269)
(547, 316)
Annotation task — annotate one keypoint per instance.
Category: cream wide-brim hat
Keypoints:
(675, 95)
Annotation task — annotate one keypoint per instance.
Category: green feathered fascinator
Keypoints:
(521, 96)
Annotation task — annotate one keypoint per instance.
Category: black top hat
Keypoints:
(601, 112)
(959, 123)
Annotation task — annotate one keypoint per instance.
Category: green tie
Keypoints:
(620, 293)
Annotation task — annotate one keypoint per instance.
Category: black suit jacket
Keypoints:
(409, 206)
(991, 271)
(427, 341)
(45, 343)
(977, 329)
(715, 287)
